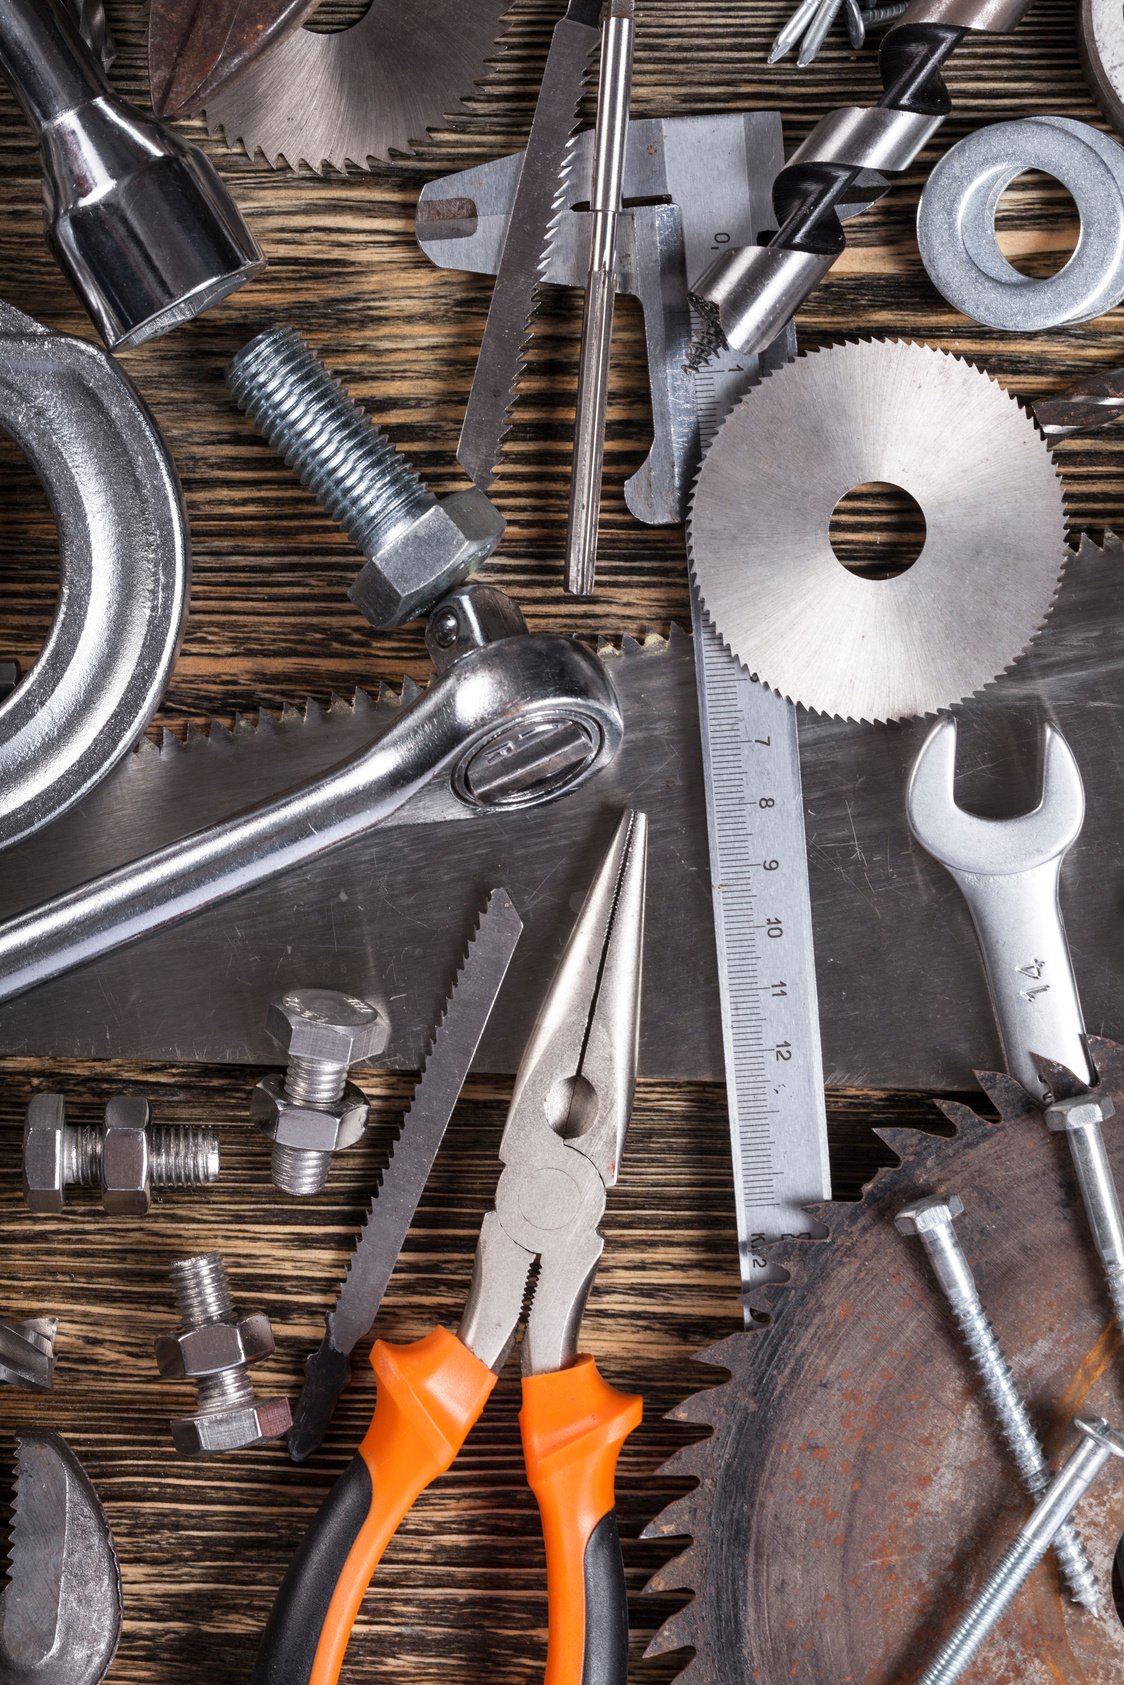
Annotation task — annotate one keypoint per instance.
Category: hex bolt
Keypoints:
(1030, 1544)
(1080, 1118)
(214, 1348)
(314, 1111)
(931, 1220)
(417, 546)
(123, 1157)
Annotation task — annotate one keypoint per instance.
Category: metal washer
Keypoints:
(985, 580)
(956, 224)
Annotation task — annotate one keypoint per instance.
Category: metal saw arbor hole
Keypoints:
(877, 530)
(1037, 224)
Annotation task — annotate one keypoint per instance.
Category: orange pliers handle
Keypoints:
(430, 1394)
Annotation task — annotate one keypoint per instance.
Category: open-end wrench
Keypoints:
(1008, 872)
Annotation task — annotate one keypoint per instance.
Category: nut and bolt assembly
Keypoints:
(1033, 1539)
(1079, 1118)
(313, 1111)
(931, 1220)
(215, 1347)
(417, 545)
(123, 1157)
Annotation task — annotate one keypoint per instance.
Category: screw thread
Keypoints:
(875, 15)
(83, 1143)
(1022, 1442)
(338, 452)
(314, 1082)
(202, 1289)
(298, 1171)
(183, 1158)
(230, 1389)
(1011, 1572)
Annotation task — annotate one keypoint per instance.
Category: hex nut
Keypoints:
(316, 1129)
(232, 1430)
(126, 1189)
(44, 1153)
(327, 1025)
(213, 1347)
(931, 1213)
(1080, 1111)
(427, 558)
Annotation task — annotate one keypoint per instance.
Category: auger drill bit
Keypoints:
(748, 295)
(27, 1353)
(60, 1615)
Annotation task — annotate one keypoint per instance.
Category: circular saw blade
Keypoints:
(877, 411)
(366, 92)
(854, 1493)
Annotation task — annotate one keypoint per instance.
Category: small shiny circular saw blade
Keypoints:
(983, 584)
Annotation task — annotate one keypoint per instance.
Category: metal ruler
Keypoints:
(762, 903)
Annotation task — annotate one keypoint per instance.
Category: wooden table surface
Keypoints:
(203, 1546)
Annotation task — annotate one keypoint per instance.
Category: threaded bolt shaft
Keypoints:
(346, 461)
(183, 1158)
(178, 1157)
(932, 1221)
(315, 1082)
(1030, 1544)
(202, 1289)
(230, 1389)
(298, 1170)
(875, 15)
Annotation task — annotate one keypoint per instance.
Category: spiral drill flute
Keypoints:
(749, 294)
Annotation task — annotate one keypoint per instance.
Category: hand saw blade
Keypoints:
(467, 1009)
(371, 91)
(903, 1000)
(194, 46)
(539, 203)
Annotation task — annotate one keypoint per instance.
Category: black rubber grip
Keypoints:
(606, 1607)
(292, 1633)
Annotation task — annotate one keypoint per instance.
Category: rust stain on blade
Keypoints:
(194, 46)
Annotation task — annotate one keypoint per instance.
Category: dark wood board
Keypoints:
(203, 1546)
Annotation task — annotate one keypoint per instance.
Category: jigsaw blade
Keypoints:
(455, 1041)
(538, 206)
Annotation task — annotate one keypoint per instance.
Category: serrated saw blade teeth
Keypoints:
(865, 413)
(364, 93)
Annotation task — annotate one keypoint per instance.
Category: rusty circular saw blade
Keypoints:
(907, 415)
(194, 46)
(854, 1492)
(368, 92)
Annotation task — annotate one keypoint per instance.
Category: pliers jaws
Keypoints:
(566, 1126)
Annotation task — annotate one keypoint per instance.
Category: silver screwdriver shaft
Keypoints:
(609, 143)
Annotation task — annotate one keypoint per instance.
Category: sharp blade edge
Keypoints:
(540, 201)
(455, 1040)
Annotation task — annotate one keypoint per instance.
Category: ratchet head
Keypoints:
(60, 1616)
(966, 842)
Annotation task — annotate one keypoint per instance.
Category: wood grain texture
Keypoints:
(203, 1547)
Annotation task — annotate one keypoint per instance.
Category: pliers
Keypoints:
(560, 1150)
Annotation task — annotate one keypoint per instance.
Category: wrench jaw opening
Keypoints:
(1008, 871)
(60, 1615)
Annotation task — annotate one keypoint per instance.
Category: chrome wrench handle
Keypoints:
(514, 723)
(1008, 871)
